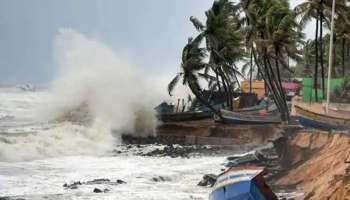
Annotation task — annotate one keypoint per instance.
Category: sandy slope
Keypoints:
(317, 164)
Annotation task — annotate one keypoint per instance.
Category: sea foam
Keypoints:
(91, 78)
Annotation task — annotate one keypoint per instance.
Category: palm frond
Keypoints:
(173, 83)
(197, 24)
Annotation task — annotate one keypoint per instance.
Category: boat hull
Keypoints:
(344, 113)
(306, 122)
(239, 118)
(242, 183)
(245, 190)
(312, 119)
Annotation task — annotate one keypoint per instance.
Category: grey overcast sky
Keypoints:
(151, 33)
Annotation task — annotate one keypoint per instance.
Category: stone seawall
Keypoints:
(207, 132)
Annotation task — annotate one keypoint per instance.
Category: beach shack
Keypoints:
(258, 87)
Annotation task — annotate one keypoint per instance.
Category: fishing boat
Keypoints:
(230, 117)
(242, 183)
(309, 117)
(340, 109)
(260, 108)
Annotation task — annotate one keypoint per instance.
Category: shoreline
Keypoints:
(310, 164)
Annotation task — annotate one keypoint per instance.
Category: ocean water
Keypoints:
(37, 157)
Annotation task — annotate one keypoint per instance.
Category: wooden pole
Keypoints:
(330, 61)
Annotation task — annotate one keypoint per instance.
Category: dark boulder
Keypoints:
(72, 186)
(120, 181)
(96, 190)
(208, 180)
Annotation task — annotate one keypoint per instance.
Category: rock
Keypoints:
(96, 190)
(98, 181)
(120, 181)
(117, 151)
(106, 190)
(9, 198)
(101, 181)
(208, 180)
(73, 187)
(160, 179)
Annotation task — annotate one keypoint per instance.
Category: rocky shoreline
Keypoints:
(299, 163)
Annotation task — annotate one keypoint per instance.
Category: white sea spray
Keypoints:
(89, 78)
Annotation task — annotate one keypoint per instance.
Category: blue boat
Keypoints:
(306, 122)
(242, 183)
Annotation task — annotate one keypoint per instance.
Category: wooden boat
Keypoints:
(258, 109)
(342, 110)
(310, 118)
(184, 116)
(230, 117)
(242, 183)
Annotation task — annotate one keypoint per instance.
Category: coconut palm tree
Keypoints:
(272, 35)
(192, 63)
(320, 10)
(308, 58)
(342, 32)
(223, 41)
(307, 10)
(248, 24)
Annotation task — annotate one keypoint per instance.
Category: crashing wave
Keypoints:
(79, 115)
(27, 87)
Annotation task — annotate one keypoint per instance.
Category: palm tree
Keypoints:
(307, 10)
(321, 11)
(342, 31)
(272, 35)
(192, 62)
(308, 58)
(248, 24)
(224, 44)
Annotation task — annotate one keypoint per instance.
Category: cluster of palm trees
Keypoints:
(260, 36)
(320, 11)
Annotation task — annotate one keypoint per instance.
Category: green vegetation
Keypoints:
(341, 93)
(262, 37)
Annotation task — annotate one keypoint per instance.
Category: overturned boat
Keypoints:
(242, 183)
